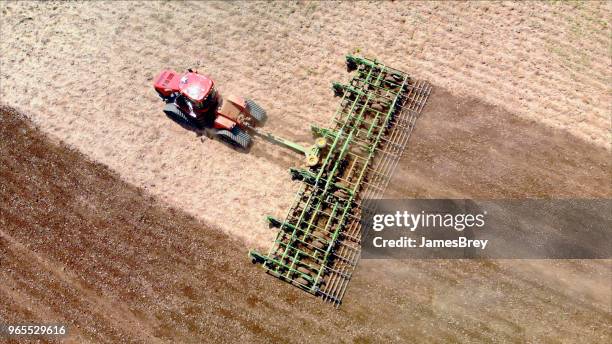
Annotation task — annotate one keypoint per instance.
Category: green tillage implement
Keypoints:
(318, 244)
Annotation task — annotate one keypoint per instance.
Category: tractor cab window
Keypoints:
(208, 101)
(212, 95)
(181, 100)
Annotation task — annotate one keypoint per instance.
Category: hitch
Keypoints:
(311, 153)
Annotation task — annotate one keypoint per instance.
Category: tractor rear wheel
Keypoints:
(257, 112)
(237, 138)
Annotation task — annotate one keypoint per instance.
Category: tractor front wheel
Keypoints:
(174, 113)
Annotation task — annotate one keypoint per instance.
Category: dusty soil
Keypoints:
(80, 246)
(84, 73)
(130, 241)
(466, 148)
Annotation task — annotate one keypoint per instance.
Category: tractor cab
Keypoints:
(198, 90)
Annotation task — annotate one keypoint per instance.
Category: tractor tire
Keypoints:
(236, 138)
(175, 114)
(257, 112)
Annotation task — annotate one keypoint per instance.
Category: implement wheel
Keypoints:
(321, 142)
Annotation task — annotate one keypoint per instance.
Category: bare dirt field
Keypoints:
(144, 237)
(84, 73)
(79, 246)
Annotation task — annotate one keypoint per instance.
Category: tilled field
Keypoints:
(84, 71)
(79, 246)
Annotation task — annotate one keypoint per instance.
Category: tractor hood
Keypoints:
(195, 86)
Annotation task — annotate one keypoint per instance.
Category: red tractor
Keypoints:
(193, 102)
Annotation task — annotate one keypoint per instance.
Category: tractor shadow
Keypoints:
(204, 134)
